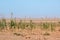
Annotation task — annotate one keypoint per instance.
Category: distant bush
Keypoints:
(52, 26)
(21, 25)
(45, 26)
(12, 24)
(31, 25)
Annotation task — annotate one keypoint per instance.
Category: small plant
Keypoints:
(21, 25)
(4, 23)
(15, 23)
(31, 25)
(45, 26)
(0, 25)
(52, 26)
(12, 24)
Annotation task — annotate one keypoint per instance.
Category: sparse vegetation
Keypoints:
(52, 26)
(2, 24)
(22, 24)
(45, 26)
(12, 24)
(31, 25)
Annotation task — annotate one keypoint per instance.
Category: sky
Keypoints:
(30, 8)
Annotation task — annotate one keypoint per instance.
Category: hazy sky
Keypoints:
(30, 8)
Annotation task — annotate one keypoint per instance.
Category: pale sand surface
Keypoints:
(36, 34)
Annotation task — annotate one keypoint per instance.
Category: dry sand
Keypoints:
(36, 34)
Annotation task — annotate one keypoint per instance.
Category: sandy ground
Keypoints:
(36, 34)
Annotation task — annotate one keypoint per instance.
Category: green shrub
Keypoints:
(2, 24)
(45, 25)
(21, 25)
(52, 26)
(31, 25)
(12, 24)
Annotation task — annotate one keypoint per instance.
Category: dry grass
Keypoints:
(29, 29)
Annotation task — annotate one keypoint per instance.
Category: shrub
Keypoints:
(45, 25)
(21, 25)
(0, 25)
(52, 26)
(12, 24)
(31, 25)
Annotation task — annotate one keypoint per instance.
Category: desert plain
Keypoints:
(42, 29)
